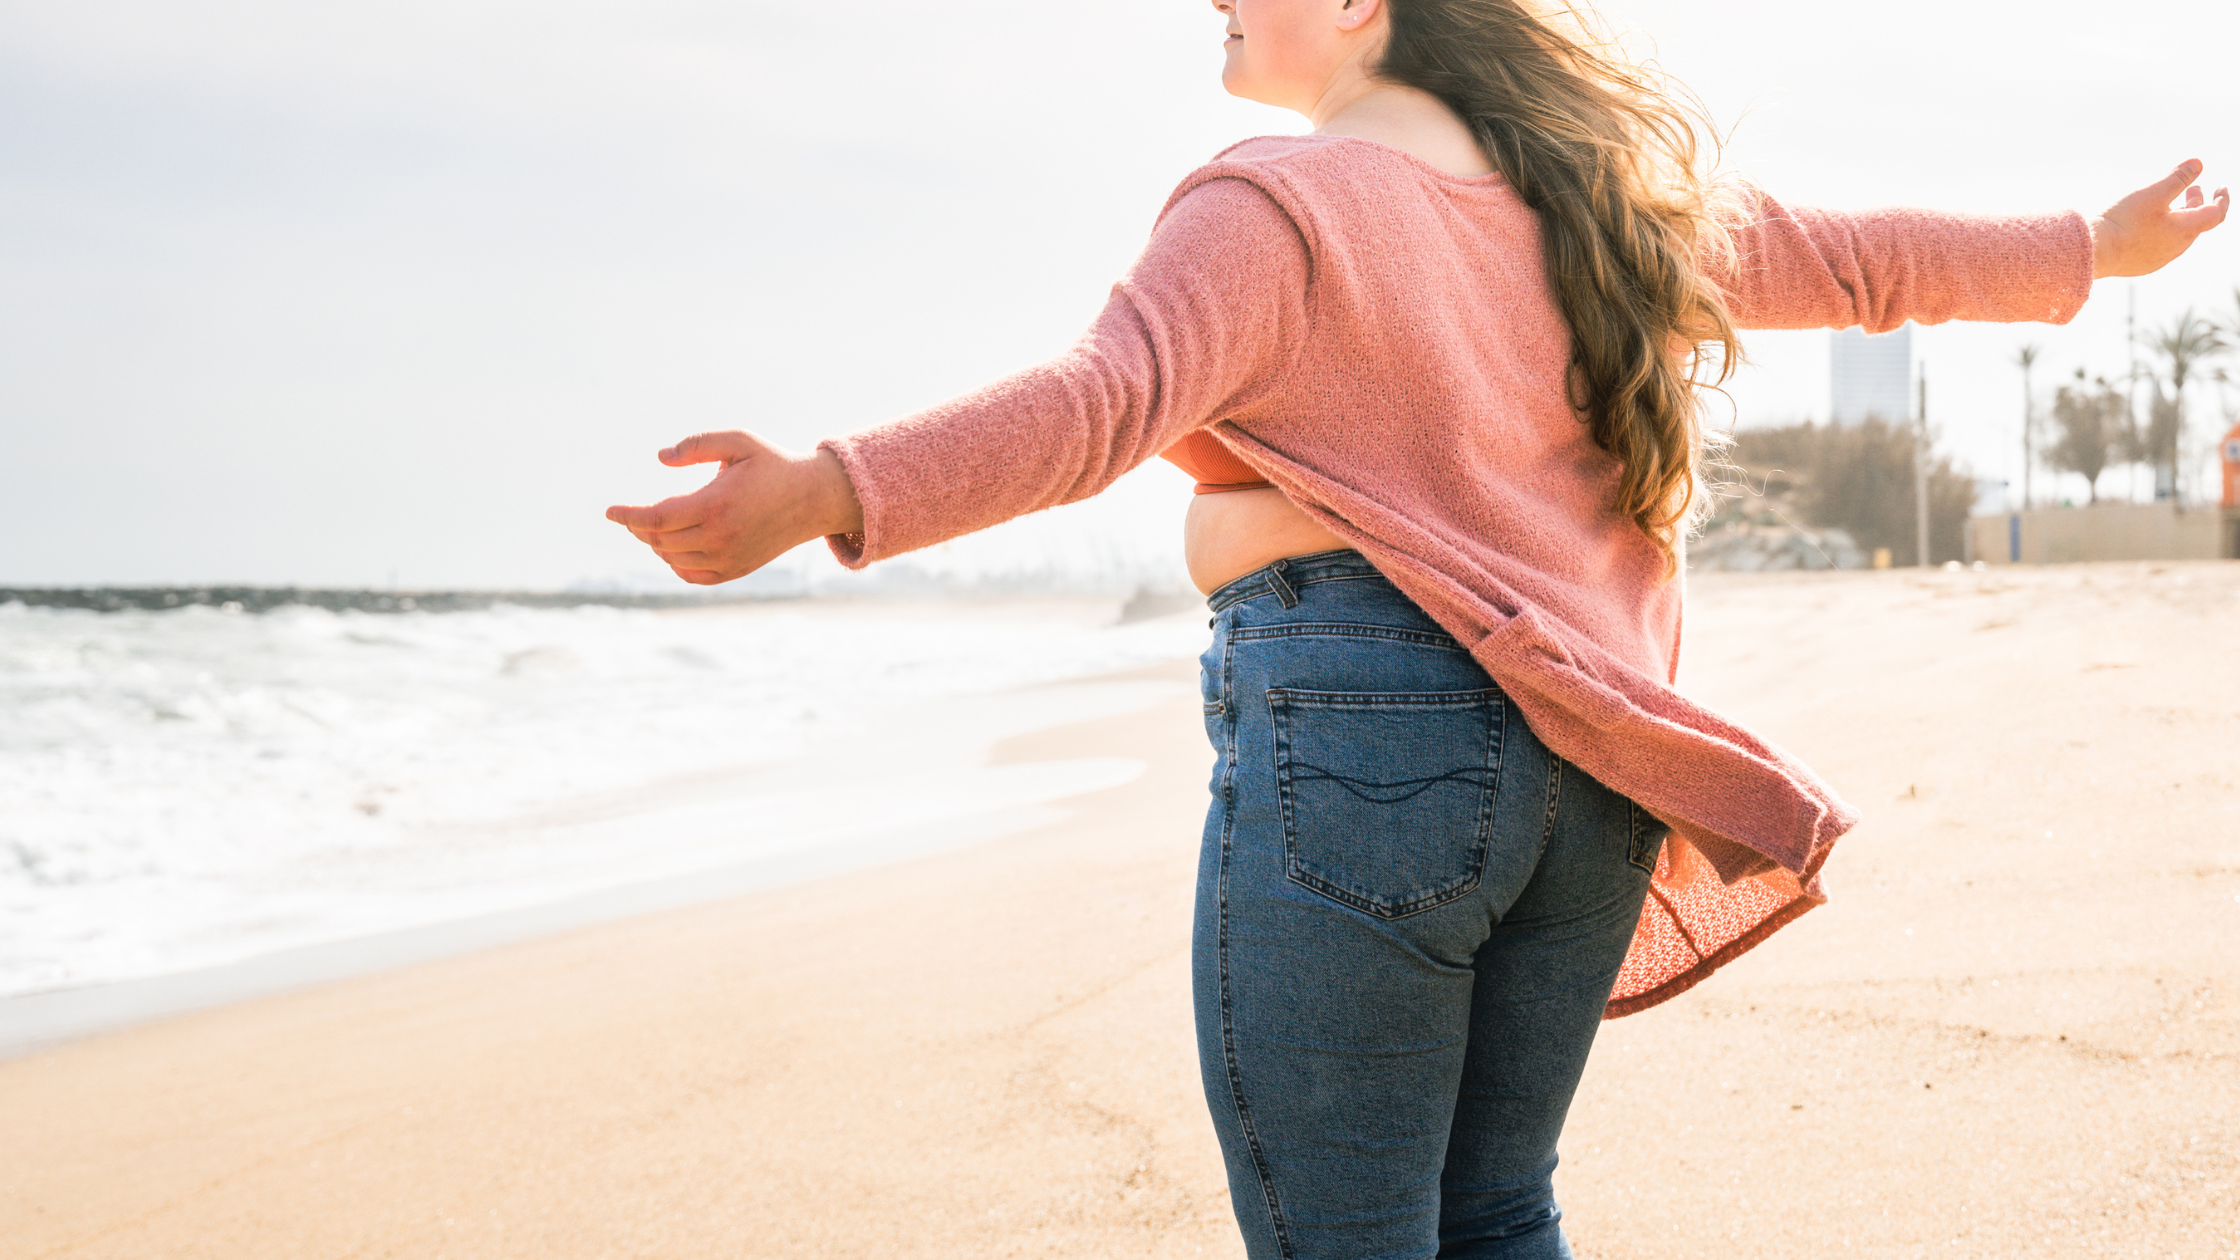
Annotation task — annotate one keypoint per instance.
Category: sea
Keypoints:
(194, 785)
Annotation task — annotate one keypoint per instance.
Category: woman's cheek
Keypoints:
(1273, 35)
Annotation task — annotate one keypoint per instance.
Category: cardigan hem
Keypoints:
(1634, 1004)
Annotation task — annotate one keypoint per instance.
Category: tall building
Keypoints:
(1870, 376)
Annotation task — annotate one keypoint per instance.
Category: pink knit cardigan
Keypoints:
(1378, 338)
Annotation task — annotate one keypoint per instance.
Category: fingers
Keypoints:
(688, 538)
(690, 563)
(662, 517)
(683, 511)
(2199, 215)
(686, 557)
(2175, 182)
(692, 551)
(747, 514)
(712, 448)
(2148, 229)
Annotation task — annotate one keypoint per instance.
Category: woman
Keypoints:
(1435, 367)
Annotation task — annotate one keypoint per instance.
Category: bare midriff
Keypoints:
(1237, 521)
(1226, 536)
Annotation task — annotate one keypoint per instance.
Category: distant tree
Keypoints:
(1857, 478)
(2091, 426)
(2185, 346)
(2156, 443)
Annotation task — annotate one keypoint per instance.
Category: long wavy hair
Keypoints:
(1610, 154)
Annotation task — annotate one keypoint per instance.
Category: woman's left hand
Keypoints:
(763, 503)
(2141, 233)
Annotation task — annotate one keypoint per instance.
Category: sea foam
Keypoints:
(187, 788)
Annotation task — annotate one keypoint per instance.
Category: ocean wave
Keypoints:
(185, 787)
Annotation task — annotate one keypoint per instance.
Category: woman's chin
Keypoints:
(1236, 82)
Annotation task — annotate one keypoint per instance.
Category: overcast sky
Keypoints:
(326, 293)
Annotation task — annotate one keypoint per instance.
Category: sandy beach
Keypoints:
(2015, 1031)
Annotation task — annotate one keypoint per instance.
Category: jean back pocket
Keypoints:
(1387, 797)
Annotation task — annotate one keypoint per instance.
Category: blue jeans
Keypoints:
(1410, 914)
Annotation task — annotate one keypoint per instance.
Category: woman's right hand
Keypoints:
(762, 503)
(2142, 234)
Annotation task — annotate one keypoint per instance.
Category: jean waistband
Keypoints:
(1283, 578)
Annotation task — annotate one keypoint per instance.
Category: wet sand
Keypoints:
(2014, 1033)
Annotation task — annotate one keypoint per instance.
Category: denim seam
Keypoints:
(1347, 630)
(1228, 1020)
(1492, 805)
(1634, 848)
(1473, 698)
(1555, 806)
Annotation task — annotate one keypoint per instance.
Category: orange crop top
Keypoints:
(1216, 467)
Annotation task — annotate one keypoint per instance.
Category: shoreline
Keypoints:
(51, 1019)
(1144, 602)
(956, 796)
(2012, 1032)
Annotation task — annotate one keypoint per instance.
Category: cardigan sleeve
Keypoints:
(1207, 320)
(1809, 268)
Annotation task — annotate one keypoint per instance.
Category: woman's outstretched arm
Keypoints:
(1810, 268)
(1206, 320)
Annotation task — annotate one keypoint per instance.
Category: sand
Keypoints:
(2014, 1033)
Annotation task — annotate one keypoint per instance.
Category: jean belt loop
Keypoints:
(1283, 590)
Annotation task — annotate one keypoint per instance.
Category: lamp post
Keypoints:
(2026, 356)
(1921, 473)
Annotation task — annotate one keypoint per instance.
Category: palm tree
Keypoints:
(2185, 345)
(2024, 357)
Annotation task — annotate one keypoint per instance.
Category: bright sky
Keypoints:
(322, 293)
